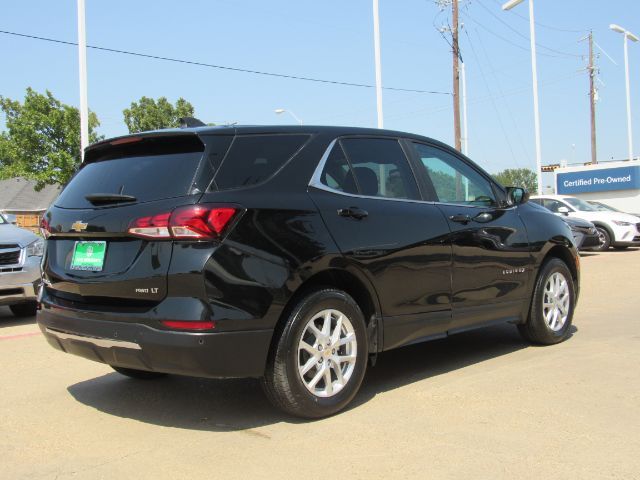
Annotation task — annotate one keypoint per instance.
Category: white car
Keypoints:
(616, 229)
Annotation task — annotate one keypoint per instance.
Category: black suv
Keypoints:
(292, 254)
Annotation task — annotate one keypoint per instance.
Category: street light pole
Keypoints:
(280, 111)
(376, 47)
(627, 35)
(534, 73)
(82, 63)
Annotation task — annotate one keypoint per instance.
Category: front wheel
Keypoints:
(605, 239)
(552, 305)
(319, 359)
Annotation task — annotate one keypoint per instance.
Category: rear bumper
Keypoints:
(137, 346)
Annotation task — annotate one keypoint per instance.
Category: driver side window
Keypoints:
(452, 180)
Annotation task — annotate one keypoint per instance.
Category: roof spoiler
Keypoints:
(189, 122)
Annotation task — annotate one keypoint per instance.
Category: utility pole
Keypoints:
(592, 96)
(82, 64)
(456, 76)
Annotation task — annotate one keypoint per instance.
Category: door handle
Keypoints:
(353, 212)
(464, 219)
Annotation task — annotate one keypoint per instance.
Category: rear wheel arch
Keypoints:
(358, 289)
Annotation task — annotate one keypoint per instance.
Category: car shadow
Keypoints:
(240, 404)
(8, 319)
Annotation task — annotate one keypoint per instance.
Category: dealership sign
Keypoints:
(601, 180)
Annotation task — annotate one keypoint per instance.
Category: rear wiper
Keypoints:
(101, 198)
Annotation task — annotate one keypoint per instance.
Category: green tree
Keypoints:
(149, 114)
(42, 138)
(518, 177)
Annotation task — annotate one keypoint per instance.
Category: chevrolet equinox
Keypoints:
(292, 254)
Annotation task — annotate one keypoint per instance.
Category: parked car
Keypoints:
(585, 233)
(292, 254)
(20, 256)
(603, 207)
(619, 230)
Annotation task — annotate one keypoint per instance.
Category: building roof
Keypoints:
(19, 195)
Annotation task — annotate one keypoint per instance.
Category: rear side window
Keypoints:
(380, 168)
(147, 178)
(253, 159)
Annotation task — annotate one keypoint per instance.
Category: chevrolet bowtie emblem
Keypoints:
(78, 226)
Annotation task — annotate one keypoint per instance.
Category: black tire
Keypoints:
(536, 329)
(138, 374)
(605, 239)
(28, 309)
(283, 383)
(621, 247)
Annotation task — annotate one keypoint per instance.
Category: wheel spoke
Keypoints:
(328, 384)
(313, 361)
(345, 340)
(314, 381)
(314, 329)
(326, 326)
(337, 330)
(338, 370)
(308, 348)
(345, 358)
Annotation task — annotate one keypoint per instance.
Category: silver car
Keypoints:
(20, 255)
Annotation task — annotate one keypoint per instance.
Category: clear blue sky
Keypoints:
(333, 40)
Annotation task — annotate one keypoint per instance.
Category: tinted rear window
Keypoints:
(253, 159)
(147, 178)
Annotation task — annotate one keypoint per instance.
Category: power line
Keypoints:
(550, 27)
(224, 67)
(524, 36)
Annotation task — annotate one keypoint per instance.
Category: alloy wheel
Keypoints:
(556, 301)
(327, 353)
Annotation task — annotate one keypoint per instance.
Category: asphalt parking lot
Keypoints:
(481, 404)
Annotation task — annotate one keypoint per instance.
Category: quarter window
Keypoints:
(253, 159)
(453, 181)
(380, 168)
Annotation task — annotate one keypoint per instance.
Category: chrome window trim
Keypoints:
(99, 342)
(316, 182)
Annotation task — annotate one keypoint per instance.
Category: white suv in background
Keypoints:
(616, 229)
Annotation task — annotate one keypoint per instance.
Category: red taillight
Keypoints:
(188, 325)
(156, 226)
(189, 222)
(45, 229)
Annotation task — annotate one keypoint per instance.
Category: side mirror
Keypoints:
(517, 195)
(563, 210)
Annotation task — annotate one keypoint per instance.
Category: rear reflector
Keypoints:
(121, 141)
(187, 325)
(202, 221)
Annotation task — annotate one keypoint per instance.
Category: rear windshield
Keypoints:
(253, 159)
(147, 178)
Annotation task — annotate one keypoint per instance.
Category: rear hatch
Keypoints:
(92, 260)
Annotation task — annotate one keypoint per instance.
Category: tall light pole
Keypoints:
(376, 47)
(534, 73)
(627, 35)
(82, 63)
(280, 111)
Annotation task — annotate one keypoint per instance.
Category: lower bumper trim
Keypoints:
(99, 342)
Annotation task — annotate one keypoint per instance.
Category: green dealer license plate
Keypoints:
(88, 256)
